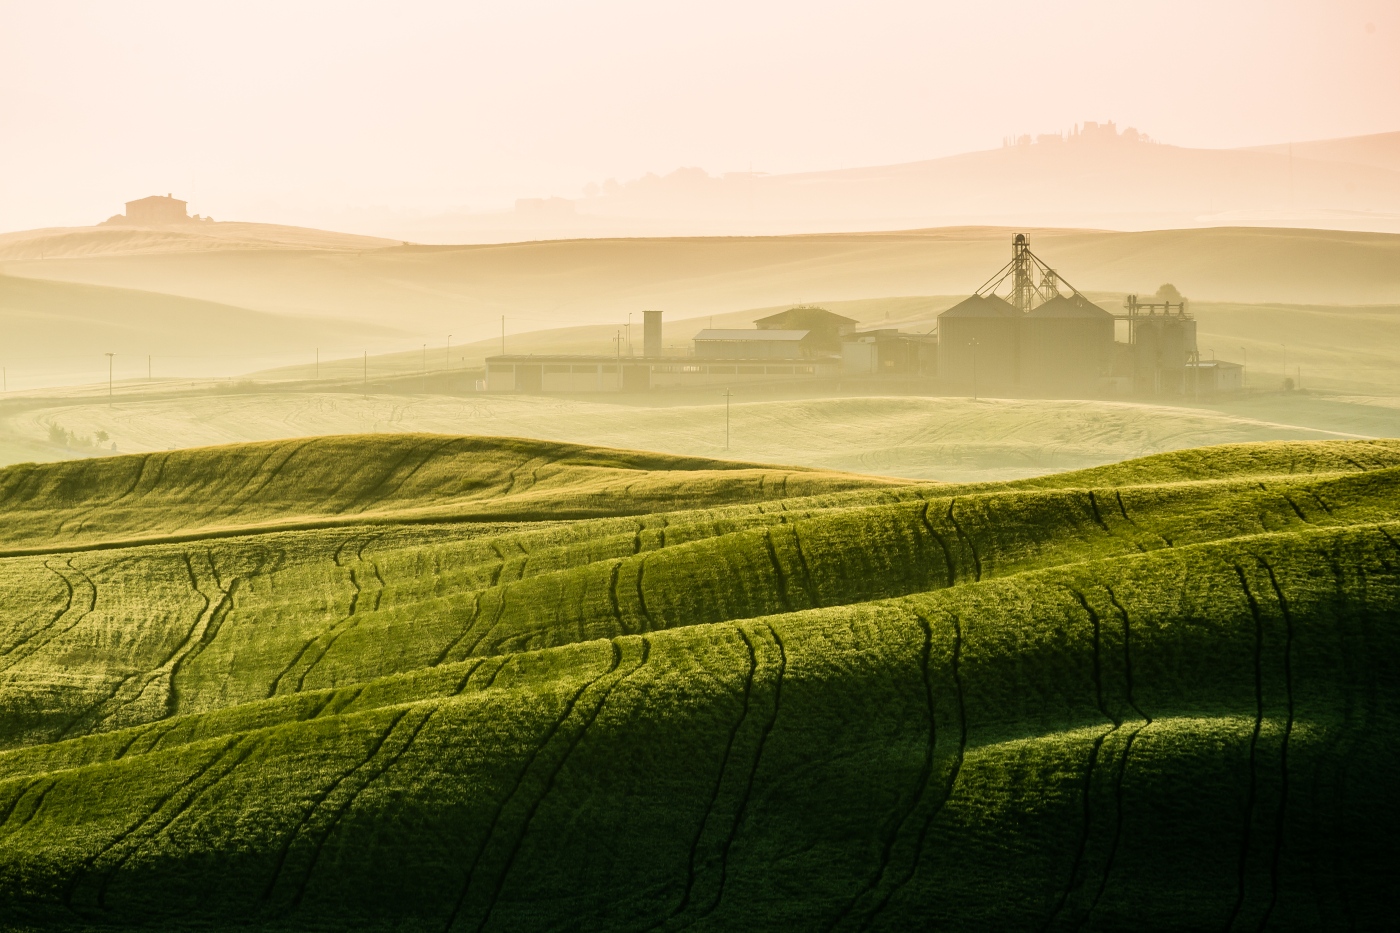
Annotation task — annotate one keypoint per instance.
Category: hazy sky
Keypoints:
(303, 112)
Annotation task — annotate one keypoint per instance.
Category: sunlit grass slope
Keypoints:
(401, 477)
(1156, 695)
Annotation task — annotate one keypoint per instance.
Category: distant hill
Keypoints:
(465, 290)
(1099, 181)
(1098, 178)
(1380, 150)
(54, 332)
(124, 240)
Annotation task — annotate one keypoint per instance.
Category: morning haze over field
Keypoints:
(607, 467)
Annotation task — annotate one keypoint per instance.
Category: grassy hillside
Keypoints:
(954, 439)
(1155, 695)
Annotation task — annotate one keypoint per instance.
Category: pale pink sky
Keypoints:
(302, 112)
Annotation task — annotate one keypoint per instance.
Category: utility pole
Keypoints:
(973, 344)
(109, 379)
(619, 360)
(629, 333)
(727, 395)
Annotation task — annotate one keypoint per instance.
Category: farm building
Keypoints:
(888, 352)
(1214, 377)
(827, 346)
(739, 344)
(825, 329)
(567, 375)
(157, 210)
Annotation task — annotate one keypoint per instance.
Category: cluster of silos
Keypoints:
(1062, 346)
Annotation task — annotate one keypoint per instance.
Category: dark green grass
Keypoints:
(1154, 696)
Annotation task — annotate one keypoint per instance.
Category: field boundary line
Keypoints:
(1250, 799)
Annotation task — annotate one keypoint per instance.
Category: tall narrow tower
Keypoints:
(651, 333)
(1022, 285)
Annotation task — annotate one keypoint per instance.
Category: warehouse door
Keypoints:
(528, 379)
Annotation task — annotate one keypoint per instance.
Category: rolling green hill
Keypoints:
(383, 683)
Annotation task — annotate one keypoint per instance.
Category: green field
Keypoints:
(948, 439)
(422, 682)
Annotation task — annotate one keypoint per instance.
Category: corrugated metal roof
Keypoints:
(744, 334)
(978, 306)
(1069, 306)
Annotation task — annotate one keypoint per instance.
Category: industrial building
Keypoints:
(1027, 331)
(801, 343)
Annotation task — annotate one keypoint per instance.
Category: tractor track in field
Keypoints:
(1252, 794)
(612, 594)
(245, 749)
(741, 812)
(955, 666)
(1111, 858)
(52, 630)
(1088, 816)
(503, 591)
(19, 798)
(963, 536)
(517, 784)
(1098, 516)
(200, 637)
(466, 627)
(36, 806)
(588, 721)
(334, 635)
(719, 778)
(284, 850)
(647, 619)
(1281, 815)
(920, 785)
(88, 864)
(110, 705)
(942, 544)
(783, 593)
(808, 582)
(354, 795)
(423, 461)
(329, 636)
